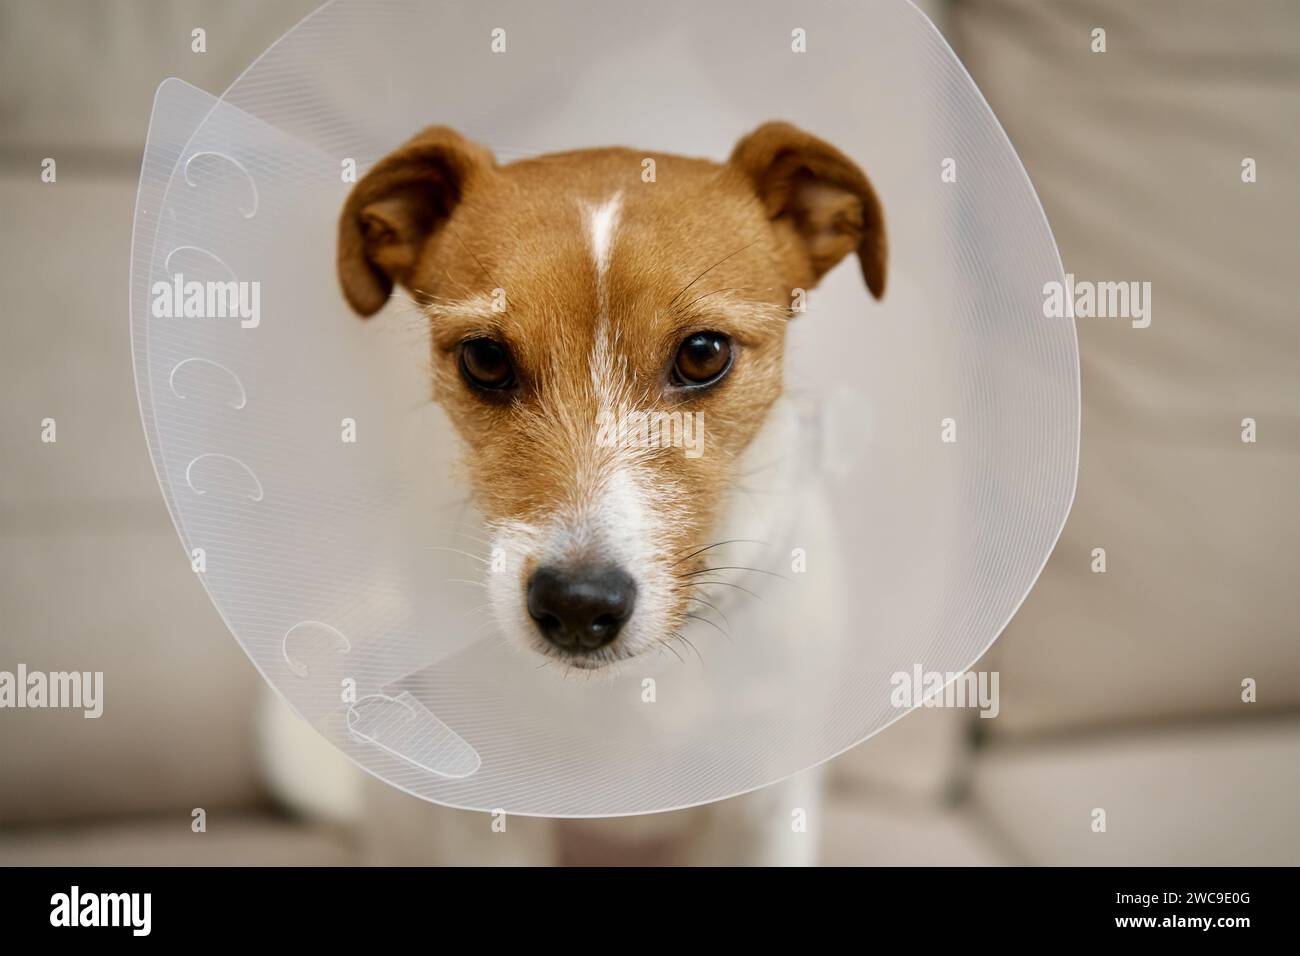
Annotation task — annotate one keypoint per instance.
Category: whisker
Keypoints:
(710, 269)
(718, 545)
(471, 537)
(669, 645)
(494, 282)
(707, 294)
(770, 463)
(715, 608)
(687, 641)
(477, 584)
(696, 617)
(733, 567)
(725, 584)
(435, 547)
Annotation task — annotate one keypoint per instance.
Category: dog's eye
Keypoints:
(702, 359)
(485, 364)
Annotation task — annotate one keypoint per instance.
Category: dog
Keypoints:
(564, 293)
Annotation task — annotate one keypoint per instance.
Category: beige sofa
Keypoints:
(1120, 691)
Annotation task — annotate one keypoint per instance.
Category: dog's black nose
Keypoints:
(580, 608)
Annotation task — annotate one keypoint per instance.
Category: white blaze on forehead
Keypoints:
(602, 221)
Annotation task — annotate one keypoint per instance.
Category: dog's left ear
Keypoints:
(818, 200)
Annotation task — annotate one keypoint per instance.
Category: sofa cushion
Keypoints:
(1220, 794)
(178, 693)
(236, 839)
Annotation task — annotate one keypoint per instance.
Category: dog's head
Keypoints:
(607, 330)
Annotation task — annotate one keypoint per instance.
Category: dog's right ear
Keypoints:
(392, 212)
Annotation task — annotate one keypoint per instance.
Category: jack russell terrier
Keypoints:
(562, 291)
